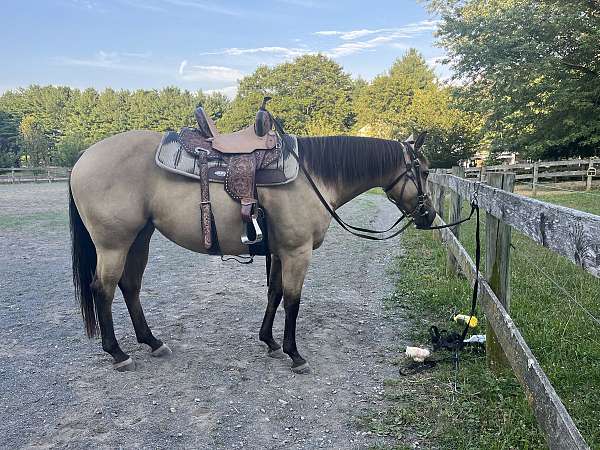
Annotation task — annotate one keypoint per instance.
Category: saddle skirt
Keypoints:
(179, 153)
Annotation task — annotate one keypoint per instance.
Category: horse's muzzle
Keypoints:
(426, 218)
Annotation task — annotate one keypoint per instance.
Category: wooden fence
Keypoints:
(584, 170)
(15, 175)
(568, 232)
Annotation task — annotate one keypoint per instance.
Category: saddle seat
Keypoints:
(258, 136)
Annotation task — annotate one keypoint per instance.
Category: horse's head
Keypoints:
(408, 189)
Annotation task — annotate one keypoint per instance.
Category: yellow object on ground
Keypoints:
(464, 318)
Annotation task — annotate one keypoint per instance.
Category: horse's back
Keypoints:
(118, 153)
(111, 185)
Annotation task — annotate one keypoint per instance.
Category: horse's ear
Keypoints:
(420, 140)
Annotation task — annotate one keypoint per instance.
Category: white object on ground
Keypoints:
(418, 354)
(475, 339)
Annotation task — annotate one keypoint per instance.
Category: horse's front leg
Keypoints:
(294, 266)
(274, 299)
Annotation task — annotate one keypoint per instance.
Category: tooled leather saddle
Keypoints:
(254, 156)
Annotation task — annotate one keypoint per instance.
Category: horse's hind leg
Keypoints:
(274, 299)
(108, 272)
(131, 284)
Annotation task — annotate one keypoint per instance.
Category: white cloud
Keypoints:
(144, 4)
(85, 4)
(303, 3)
(443, 71)
(406, 31)
(279, 51)
(182, 66)
(209, 73)
(381, 36)
(349, 48)
(163, 6)
(229, 91)
(349, 35)
(124, 61)
(205, 6)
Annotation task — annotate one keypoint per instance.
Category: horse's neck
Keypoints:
(343, 192)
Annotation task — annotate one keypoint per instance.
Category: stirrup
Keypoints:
(257, 232)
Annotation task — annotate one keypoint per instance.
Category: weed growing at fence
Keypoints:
(489, 411)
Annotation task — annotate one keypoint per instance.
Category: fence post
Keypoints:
(454, 216)
(437, 198)
(497, 267)
(536, 169)
(12, 176)
(588, 184)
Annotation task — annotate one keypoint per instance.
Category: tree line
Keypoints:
(312, 95)
(51, 125)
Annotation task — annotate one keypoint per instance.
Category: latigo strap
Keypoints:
(205, 200)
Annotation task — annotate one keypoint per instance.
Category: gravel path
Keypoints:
(219, 390)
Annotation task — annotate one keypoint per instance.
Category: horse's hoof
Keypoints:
(302, 369)
(162, 352)
(125, 366)
(277, 354)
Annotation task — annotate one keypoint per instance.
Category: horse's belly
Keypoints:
(176, 214)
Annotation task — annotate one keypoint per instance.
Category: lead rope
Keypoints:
(461, 343)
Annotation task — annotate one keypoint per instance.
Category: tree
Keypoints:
(9, 133)
(68, 150)
(535, 81)
(310, 94)
(216, 105)
(408, 99)
(33, 142)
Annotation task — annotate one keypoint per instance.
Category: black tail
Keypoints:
(83, 254)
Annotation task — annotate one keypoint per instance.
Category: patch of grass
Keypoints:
(46, 219)
(488, 411)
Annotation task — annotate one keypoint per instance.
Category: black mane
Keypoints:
(349, 158)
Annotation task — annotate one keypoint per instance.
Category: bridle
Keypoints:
(412, 173)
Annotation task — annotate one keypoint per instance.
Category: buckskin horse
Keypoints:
(119, 196)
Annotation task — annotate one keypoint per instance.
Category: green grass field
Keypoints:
(488, 411)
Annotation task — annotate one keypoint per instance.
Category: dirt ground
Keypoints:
(219, 390)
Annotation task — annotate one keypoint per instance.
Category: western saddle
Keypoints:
(243, 152)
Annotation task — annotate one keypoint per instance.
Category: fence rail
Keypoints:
(585, 169)
(15, 175)
(568, 232)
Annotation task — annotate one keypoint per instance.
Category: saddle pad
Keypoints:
(171, 156)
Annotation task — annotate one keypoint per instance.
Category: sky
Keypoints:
(200, 44)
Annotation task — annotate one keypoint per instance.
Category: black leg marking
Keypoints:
(292, 306)
(274, 299)
(104, 308)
